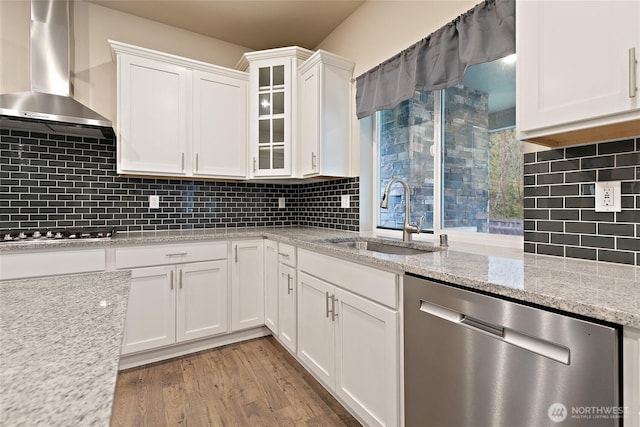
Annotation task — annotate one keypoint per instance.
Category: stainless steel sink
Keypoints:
(393, 248)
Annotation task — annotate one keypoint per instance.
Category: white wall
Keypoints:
(14, 46)
(93, 71)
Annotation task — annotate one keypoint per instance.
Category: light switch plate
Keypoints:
(608, 197)
(154, 202)
(281, 203)
(345, 203)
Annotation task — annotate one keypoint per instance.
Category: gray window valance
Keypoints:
(482, 34)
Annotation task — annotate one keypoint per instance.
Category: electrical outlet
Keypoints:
(345, 203)
(608, 198)
(281, 203)
(154, 202)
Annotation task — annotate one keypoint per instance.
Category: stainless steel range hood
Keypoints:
(49, 106)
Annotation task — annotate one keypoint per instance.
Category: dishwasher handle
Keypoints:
(536, 345)
(482, 326)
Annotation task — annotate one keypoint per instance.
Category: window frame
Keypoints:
(457, 237)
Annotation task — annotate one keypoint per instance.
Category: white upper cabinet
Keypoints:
(152, 116)
(219, 124)
(325, 108)
(272, 109)
(179, 117)
(577, 70)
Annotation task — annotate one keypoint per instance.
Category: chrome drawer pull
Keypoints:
(177, 254)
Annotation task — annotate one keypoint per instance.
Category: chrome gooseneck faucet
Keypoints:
(408, 228)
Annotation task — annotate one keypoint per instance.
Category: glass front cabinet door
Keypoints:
(272, 111)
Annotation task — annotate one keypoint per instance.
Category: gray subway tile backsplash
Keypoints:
(575, 230)
(55, 181)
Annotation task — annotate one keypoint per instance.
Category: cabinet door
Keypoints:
(202, 300)
(271, 285)
(287, 307)
(631, 378)
(366, 343)
(151, 309)
(573, 61)
(271, 117)
(309, 121)
(247, 285)
(316, 328)
(219, 125)
(152, 117)
(325, 110)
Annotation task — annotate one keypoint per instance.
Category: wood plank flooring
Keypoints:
(253, 383)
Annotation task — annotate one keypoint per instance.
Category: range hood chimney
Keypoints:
(49, 106)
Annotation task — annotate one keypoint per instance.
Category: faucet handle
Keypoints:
(421, 223)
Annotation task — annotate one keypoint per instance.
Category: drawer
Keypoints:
(377, 285)
(51, 263)
(287, 254)
(146, 256)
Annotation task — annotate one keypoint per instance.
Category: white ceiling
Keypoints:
(256, 24)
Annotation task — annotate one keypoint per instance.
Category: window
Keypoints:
(456, 148)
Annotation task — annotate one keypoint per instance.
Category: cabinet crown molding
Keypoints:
(281, 52)
(322, 56)
(119, 48)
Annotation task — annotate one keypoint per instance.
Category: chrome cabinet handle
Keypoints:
(289, 287)
(334, 314)
(180, 279)
(236, 253)
(327, 303)
(283, 254)
(171, 280)
(313, 160)
(176, 254)
(633, 89)
(197, 161)
(333, 307)
(254, 164)
(182, 163)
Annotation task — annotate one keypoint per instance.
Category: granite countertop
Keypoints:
(605, 291)
(60, 348)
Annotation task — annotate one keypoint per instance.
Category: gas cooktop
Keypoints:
(55, 234)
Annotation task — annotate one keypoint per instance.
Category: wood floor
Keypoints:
(253, 383)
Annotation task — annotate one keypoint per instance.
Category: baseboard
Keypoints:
(164, 353)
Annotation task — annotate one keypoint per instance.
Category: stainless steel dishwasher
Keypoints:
(480, 361)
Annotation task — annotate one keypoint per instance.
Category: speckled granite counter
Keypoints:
(604, 291)
(60, 341)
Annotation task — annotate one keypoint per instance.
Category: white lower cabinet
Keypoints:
(287, 316)
(202, 300)
(349, 342)
(247, 284)
(631, 381)
(271, 284)
(367, 366)
(280, 314)
(316, 329)
(24, 264)
(175, 303)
